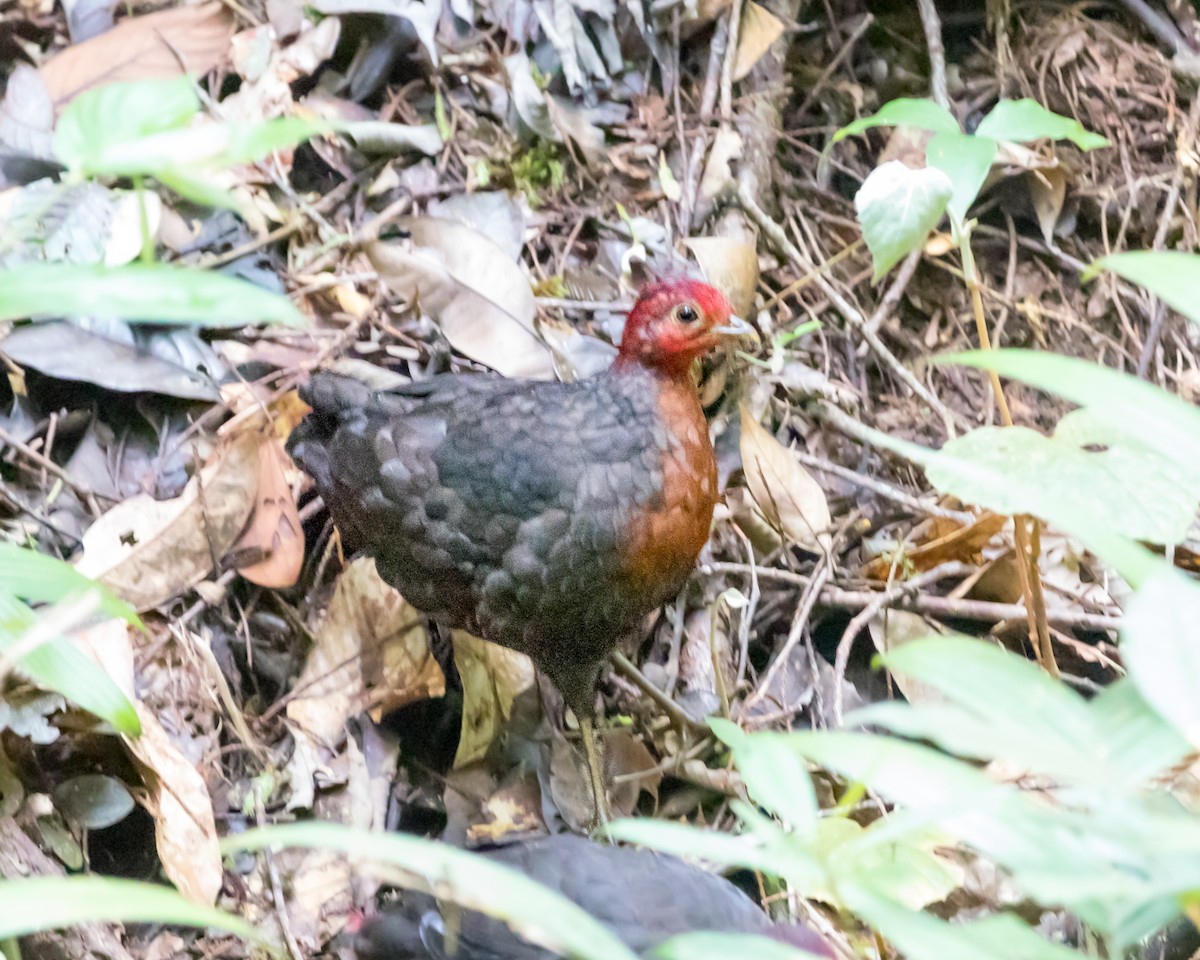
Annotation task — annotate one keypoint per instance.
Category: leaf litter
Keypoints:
(474, 207)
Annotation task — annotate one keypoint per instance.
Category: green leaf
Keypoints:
(920, 936)
(998, 707)
(773, 776)
(1171, 275)
(100, 119)
(897, 207)
(1158, 645)
(909, 112)
(779, 856)
(537, 913)
(149, 293)
(1024, 120)
(39, 578)
(59, 666)
(966, 160)
(200, 187)
(723, 946)
(30, 905)
(1139, 741)
(1092, 471)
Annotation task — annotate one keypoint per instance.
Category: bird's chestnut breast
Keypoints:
(666, 536)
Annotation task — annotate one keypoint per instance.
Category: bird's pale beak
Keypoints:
(736, 327)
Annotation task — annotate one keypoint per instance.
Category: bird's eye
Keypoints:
(686, 313)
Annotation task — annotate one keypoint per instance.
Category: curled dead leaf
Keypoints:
(759, 29)
(492, 678)
(185, 828)
(274, 532)
(786, 494)
(150, 551)
(152, 47)
(730, 265)
(477, 294)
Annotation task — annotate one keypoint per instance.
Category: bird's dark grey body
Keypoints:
(509, 508)
(645, 898)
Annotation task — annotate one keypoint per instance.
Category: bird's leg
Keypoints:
(587, 730)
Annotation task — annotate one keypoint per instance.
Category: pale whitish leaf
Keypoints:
(34, 904)
(759, 29)
(910, 112)
(540, 915)
(722, 946)
(1171, 275)
(478, 296)
(1131, 487)
(151, 293)
(376, 136)
(897, 207)
(1159, 646)
(1139, 741)
(787, 495)
(1027, 119)
(966, 160)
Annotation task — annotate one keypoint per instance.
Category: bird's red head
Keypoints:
(674, 322)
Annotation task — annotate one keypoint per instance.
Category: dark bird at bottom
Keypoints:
(645, 898)
(550, 518)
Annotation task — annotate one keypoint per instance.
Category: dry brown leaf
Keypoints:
(477, 294)
(759, 29)
(790, 499)
(274, 531)
(631, 768)
(492, 677)
(185, 829)
(154, 47)
(370, 636)
(150, 551)
(731, 266)
(954, 542)
(1048, 191)
(717, 178)
(512, 811)
(890, 629)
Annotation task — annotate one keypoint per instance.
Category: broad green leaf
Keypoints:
(779, 857)
(723, 946)
(1160, 644)
(148, 293)
(897, 207)
(906, 871)
(33, 904)
(200, 148)
(101, 118)
(1171, 275)
(39, 578)
(906, 111)
(537, 913)
(920, 936)
(1138, 740)
(998, 707)
(198, 186)
(59, 666)
(1100, 471)
(773, 775)
(966, 160)
(1024, 120)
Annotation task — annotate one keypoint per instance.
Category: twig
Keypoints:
(886, 598)
(50, 466)
(895, 290)
(708, 100)
(1162, 27)
(735, 29)
(626, 668)
(983, 611)
(776, 235)
(938, 88)
(882, 488)
(1160, 237)
(847, 47)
